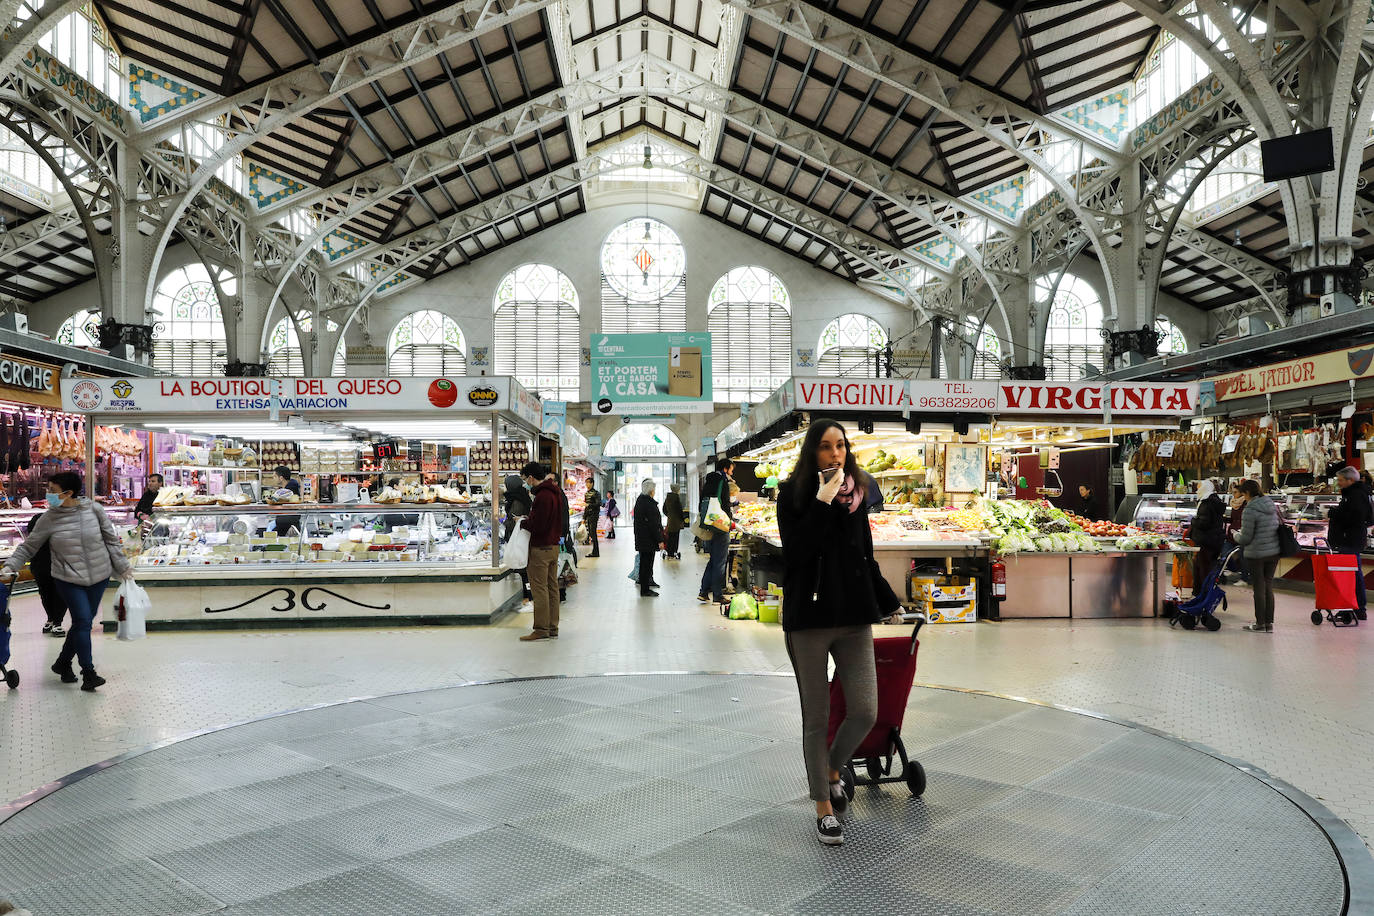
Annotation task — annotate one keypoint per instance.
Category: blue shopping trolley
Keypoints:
(11, 677)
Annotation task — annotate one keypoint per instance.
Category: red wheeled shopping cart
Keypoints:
(896, 662)
(1334, 576)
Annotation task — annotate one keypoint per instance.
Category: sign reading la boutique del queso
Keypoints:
(293, 395)
(1003, 398)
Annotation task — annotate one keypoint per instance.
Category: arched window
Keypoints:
(1073, 337)
(848, 346)
(643, 279)
(750, 320)
(426, 343)
(1171, 338)
(538, 331)
(188, 338)
(987, 349)
(284, 348)
(81, 330)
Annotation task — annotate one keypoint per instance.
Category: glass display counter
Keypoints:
(321, 565)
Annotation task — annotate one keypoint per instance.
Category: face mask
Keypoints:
(52, 500)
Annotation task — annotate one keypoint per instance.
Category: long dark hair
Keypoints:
(805, 478)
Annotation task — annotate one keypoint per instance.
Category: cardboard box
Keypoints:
(684, 372)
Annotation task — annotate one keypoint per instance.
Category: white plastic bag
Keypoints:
(517, 554)
(132, 607)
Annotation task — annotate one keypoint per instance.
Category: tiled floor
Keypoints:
(651, 794)
(1295, 704)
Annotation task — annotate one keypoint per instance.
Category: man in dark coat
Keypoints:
(591, 514)
(1347, 530)
(648, 537)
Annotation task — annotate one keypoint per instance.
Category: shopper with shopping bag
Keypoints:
(714, 529)
(86, 551)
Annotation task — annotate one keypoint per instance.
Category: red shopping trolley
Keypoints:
(896, 663)
(1334, 576)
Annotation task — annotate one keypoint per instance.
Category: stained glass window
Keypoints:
(538, 331)
(81, 330)
(188, 331)
(284, 349)
(750, 320)
(1172, 340)
(849, 345)
(643, 279)
(1073, 336)
(426, 343)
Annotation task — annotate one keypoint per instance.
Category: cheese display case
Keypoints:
(227, 548)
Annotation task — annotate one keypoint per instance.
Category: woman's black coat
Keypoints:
(648, 524)
(1208, 526)
(830, 578)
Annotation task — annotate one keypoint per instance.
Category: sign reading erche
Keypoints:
(292, 395)
(1304, 372)
(1001, 398)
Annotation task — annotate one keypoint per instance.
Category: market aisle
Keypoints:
(1295, 703)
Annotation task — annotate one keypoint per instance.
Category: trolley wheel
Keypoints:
(1224, 605)
(1211, 623)
(848, 780)
(12, 679)
(1345, 618)
(874, 765)
(915, 777)
(1317, 618)
(1187, 621)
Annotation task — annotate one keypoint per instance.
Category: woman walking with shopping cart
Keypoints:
(833, 593)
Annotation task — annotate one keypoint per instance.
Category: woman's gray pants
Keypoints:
(852, 648)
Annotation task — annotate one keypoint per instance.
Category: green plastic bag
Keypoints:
(743, 607)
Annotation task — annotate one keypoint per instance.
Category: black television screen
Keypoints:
(1298, 155)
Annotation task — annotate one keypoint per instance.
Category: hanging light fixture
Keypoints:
(648, 156)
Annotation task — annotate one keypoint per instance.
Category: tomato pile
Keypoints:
(1102, 529)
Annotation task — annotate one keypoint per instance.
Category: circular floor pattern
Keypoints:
(642, 794)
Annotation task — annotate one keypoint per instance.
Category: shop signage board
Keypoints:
(1059, 399)
(635, 374)
(1166, 448)
(555, 418)
(258, 397)
(29, 382)
(1304, 372)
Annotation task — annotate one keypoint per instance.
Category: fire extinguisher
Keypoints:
(999, 580)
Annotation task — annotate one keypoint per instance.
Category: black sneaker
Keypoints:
(829, 831)
(90, 680)
(1361, 614)
(703, 599)
(57, 630)
(838, 800)
(47, 627)
(65, 672)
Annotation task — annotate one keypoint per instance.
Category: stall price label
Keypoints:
(1228, 445)
(1166, 448)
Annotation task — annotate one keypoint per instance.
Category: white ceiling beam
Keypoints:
(389, 260)
(992, 115)
(727, 49)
